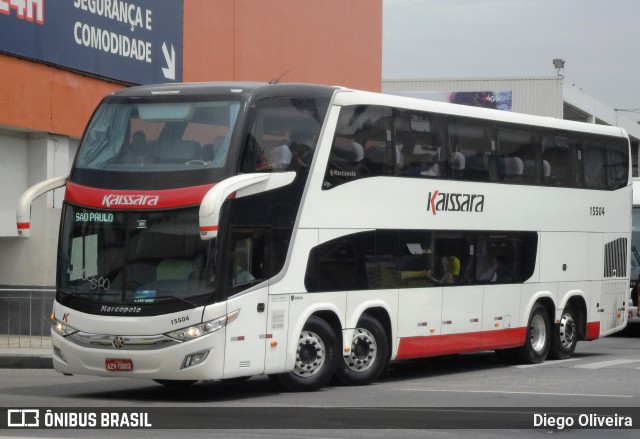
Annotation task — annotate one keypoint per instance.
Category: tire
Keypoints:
(538, 340)
(369, 354)
(315, 358)
(176, 383)
(565, 336)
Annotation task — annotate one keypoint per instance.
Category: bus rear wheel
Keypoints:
(368, 355)
(537, 342)
(315, 358)
(565, 336)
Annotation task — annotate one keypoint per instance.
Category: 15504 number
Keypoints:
(597, 211)
(179, 320)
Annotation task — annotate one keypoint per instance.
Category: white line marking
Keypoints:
(602, 364)
(547, 363)
(517, 393)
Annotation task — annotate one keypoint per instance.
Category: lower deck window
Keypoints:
(419, 258)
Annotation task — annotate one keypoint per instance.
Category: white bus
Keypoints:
(215, 231)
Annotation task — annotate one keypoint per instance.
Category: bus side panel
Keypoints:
(461, 319)
(419, 322)
(276, 334)
(245, 342)
(613, 316)
(564, 256)
(500, 317)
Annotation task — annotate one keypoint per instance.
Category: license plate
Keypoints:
(118, 365)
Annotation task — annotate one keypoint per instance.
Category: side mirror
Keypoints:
(23, 212)
(237, 186)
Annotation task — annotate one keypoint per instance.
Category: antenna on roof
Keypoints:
(277, 79)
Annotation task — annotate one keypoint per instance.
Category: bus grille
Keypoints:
(615, 258)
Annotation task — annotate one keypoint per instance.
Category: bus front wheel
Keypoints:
(537, 341)
(315, 358)
(368, 354)
(565, 336)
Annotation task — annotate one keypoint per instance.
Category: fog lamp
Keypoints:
(58, 353)
(193, 359)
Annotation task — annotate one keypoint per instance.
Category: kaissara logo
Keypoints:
(454, 202)
(130, 200)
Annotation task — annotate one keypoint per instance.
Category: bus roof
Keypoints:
(353, 97)
(241, 88)
(345, 96)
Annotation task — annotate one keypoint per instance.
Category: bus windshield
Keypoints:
(163, 134)
(114, 258)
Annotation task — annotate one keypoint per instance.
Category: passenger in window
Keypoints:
(429, 166)
(503, 272)
(454, 263)
(302, 147)
(444, 272)
(242, 275)
(280, 157)
(276, 155)
(137, 151)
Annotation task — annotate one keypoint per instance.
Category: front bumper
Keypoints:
(164, 362)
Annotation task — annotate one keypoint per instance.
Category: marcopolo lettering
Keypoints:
(454, 202)
(120, 309)
(130, 200)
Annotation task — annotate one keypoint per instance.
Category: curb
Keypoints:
(25, 362)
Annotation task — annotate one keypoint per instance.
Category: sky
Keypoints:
(598, 39)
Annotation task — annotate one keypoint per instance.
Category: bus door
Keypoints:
(247, 273)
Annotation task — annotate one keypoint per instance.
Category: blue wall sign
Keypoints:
(136, 41)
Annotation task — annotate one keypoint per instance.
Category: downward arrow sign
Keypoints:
(169, 72)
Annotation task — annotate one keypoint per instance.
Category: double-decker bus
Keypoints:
(226, 230)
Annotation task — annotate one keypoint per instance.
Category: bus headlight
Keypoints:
(195, 331)
(62, 328)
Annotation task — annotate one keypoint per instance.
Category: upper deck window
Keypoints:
(283, 134)
(151, 136)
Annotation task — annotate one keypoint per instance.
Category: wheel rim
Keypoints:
(363, 351)
(310, 354)
(538, 331)
(567, 331)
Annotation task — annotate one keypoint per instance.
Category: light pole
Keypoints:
(558, 63)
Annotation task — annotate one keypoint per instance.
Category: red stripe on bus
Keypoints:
(208, 228)
(593, 331)
(23, 226)
(135, 199)
(433, 345)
